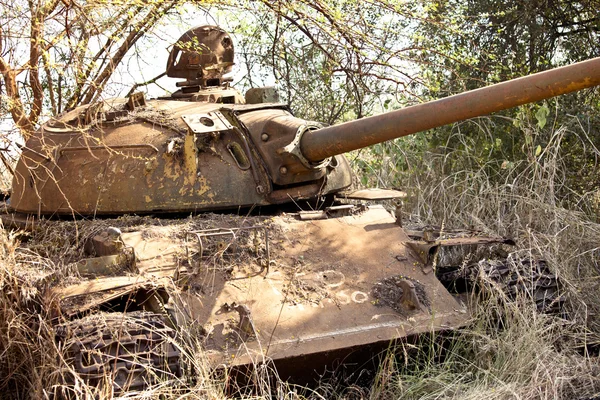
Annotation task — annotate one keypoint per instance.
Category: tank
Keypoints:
(292, 284)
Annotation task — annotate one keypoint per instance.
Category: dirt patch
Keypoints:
(388, 292)
(62, 242)
(303, 290)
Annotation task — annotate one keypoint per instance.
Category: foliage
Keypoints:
(55, 55)
(482, 42)
(490, 41)
(339, 61)
(333, 60)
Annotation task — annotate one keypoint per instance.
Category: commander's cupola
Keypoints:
(203, 56)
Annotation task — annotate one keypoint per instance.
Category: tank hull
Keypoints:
(331, 285)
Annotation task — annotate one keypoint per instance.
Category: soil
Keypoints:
(388, 293)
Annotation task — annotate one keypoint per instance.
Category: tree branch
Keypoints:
(96, 87)
(15, 105)
(34, 59)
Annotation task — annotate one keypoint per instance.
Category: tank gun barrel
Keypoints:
(326, 142)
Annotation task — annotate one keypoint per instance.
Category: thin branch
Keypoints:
(149, 82)
(97, 86)
(82, 79)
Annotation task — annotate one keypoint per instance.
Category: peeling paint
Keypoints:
(203, 186)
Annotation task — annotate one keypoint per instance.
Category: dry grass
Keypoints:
(527, 356)
(28, 355)
(509, 350)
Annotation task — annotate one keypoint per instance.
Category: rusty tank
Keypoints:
(319, 271)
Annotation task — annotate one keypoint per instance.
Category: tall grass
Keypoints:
(527, 355)
(28, 356)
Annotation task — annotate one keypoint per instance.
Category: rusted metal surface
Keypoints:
(323, 291)
(17, 221)
(147, 165)
(339, 139)
(337, 262)
(328, 212)
(105, 265)
(134, 349)
(262, 95)
(515, 276)
(137, 170)
(198, 235)
(201, 54)
(212, 122)
(425, 249)
(272, 131)
(105, 243)
(374, 194)
(92, 293)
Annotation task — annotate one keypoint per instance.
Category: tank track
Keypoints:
(131, 350)
(514, 276)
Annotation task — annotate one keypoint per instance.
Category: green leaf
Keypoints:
(538, 150)
(541, 115)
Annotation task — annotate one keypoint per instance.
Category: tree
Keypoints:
(333, 60)
(58, 54)
(481, 41)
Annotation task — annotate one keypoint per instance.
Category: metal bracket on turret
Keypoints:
(293, 148)
(207, 122)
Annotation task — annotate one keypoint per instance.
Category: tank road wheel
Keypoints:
(130, 351)
(514, 276)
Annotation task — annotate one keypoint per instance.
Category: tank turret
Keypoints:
(204, 148)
